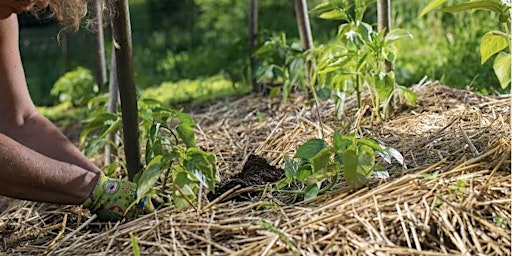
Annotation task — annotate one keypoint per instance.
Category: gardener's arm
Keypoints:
(37, 162)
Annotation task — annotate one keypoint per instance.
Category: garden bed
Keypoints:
(453, 197)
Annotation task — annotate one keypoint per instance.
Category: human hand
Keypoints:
(111, 198)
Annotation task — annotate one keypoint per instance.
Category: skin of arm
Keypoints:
(37, 162)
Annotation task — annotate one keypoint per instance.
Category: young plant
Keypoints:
(281, 63)
(318, 162)
(494, 42)
(170, 151)
(353, 63)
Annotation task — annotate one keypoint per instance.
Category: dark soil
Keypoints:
(256, 172)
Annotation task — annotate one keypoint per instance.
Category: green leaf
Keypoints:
(366, 158)
(323, 7)
(149, 177)
(334, 15)
(296, 69)
(203, 166)
(310, 149)
(342, 143)
(322, 159)
(431, 6)
(370, 143)
(476, 5)
(135, 245)
(396, 34)
(502, 68)
(186, 189)
(409, 95)
(311, 192)
(186, 134)
(492, 42)
(384, 85)
(353, 175)
(290, 167)
(303, 173)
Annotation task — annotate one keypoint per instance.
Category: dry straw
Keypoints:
(454, 197)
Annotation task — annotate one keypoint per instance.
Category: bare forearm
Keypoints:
(27, 174)
(41, 135)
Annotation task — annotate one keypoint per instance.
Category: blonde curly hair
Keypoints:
(68, 12)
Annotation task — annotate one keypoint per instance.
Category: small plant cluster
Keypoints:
(77, 86)
(280, 62)
(493, 43)
(353, 63)
(170, 150)
(319, 164)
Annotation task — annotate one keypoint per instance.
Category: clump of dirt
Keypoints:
(256, 172)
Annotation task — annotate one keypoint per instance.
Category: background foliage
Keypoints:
(196, 39)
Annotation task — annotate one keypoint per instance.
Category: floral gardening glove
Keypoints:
(111, 197)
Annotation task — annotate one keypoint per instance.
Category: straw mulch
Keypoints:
(452, 198)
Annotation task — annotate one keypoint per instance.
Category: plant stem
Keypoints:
(358, 93)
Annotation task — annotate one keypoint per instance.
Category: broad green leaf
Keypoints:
(290, 167)
(334, 15)
(370, 143)
(409, 95)
(93, 145)
(323, 7)
(502, 68)
(303, 173)
(384, 85)
(342, 143)
(203, 166)
(182, 181)
(149, 177)
(310, 148)
(186, 134)
(265, 48)
(492, 42)
(353, 175)
(296, 69)
(366, 157)
(311, 192)
(476, 5)
(396, 34)
(431, 6)
(329, 171)
(322, 159)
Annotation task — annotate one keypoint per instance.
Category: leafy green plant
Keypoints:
(316, 162)
(280, 62)
(77, 86)
(170, 150)
(493, 43)
(354, 62)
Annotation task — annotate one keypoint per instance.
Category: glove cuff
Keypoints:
(93, 200)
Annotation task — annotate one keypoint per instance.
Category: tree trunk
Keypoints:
(384, 23)
(113, 97)
(253, 40)
(101, 66)
(301, 13)
(127, 91)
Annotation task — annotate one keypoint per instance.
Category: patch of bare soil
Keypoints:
(256, 172)
(453, 197)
